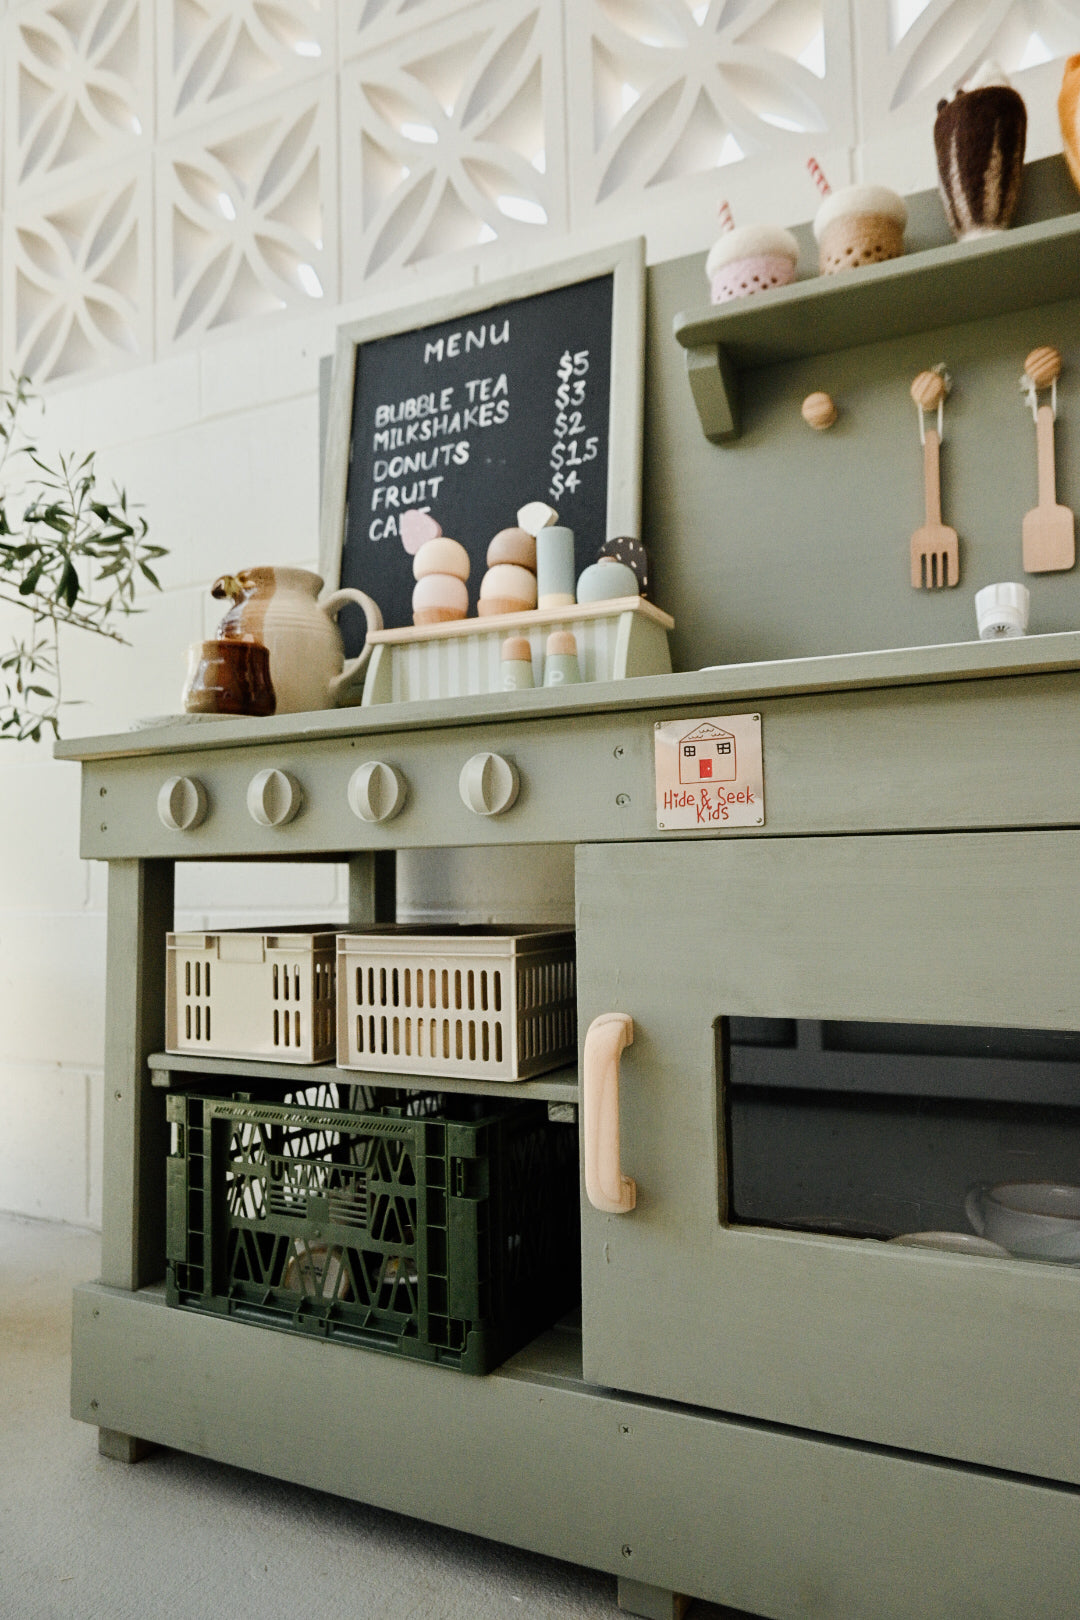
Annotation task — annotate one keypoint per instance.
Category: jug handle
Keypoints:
(372, 613)
(973, 1208)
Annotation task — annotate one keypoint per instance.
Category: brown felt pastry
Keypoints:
(1069, 116)
(979, 138)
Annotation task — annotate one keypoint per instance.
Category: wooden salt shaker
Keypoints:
(561, 666)
(517, 670)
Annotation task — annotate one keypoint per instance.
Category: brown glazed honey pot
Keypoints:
(228, 677)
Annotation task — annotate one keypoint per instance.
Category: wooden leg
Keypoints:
(372, 888)
(125, 1448)
(653, 1602)
(136, 1138)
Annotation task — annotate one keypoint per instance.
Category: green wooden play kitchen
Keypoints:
(826, 889)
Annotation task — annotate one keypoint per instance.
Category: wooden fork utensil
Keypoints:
(935, 548)
(1049, 532)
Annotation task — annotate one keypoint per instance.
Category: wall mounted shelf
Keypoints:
(943, 286)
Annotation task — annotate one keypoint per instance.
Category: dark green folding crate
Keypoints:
(443, 1228)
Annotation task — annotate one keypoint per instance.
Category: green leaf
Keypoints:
(68, 589)
(150, 575)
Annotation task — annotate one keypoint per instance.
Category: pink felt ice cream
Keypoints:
(750, 259)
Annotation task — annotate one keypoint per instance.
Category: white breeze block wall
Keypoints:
(195, 193)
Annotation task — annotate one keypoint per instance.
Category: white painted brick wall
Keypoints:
(609, 115)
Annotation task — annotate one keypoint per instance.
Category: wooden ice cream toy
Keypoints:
(610, 636)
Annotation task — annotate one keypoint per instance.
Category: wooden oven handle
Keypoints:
(607, 1188)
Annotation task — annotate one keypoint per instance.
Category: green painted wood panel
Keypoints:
(967, 1358)
(766, 1520)
(787, 543)
(984, 753)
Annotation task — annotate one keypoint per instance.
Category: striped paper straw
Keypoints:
(726, 221)
(817, 176)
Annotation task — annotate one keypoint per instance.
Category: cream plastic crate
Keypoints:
(480, 1003)
(252, 994)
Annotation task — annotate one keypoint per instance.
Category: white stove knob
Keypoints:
(376, 791)
(274, 798)
(488, 784)
(182, 804)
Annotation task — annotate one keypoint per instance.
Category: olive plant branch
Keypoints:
(79, 621)
(67, 546)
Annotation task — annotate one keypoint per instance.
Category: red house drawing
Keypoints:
(707, 754)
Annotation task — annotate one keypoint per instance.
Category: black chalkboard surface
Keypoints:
(470, 416)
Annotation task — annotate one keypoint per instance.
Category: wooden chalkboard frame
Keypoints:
(624, 262)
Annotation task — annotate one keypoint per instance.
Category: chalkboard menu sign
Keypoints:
(469, 408)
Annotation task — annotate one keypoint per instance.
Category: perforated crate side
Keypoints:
(472, 1008)
(421, 1236)
(252, 994)
(545, 1005)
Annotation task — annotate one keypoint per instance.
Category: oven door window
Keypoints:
(951, 1137)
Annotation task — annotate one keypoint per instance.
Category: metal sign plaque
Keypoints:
(709, 773)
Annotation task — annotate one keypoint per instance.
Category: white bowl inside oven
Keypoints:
(1039, 1220)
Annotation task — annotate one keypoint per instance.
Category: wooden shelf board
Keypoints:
(943, 286)
(524, 621)
(561, 1085)
(717, 683)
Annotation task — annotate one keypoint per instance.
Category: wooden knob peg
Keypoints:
(1043, 366)
(819, 411)
(928, 390)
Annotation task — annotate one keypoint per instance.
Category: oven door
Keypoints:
(836, 1042)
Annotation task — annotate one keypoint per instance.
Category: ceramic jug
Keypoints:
(280, 608)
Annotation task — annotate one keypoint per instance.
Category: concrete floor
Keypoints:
(180, 1538)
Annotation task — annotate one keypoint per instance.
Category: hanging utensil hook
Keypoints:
(929, 389)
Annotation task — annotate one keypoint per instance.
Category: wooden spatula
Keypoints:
(1049, 529)
(935, 549)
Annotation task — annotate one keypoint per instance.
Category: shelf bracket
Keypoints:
(714, 383)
